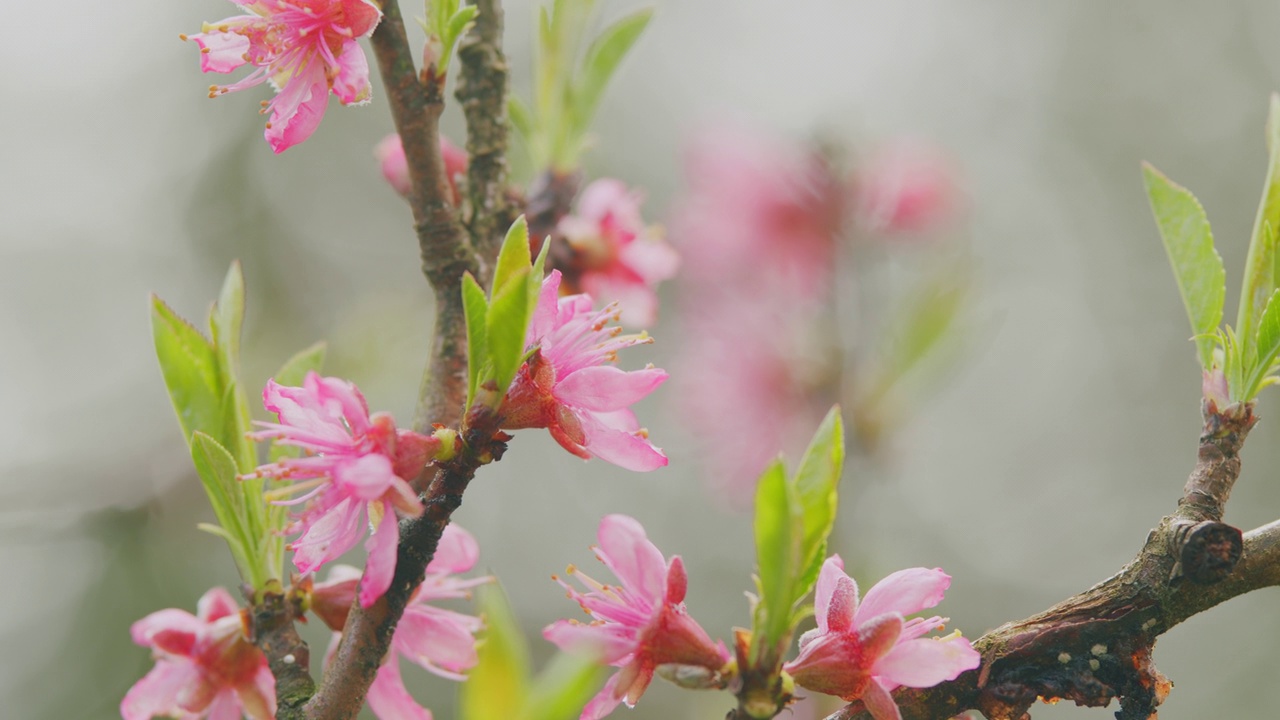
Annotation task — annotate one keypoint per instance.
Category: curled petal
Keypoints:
(178, 627)
(605, 701)
(221, 52)
(605, 388)
(905, 592)
(352, 82)
(627, 450)
(438, 640)
(258, 696)
(627, 551)
(216, 604)
(157, 692)
(841, 606)
(612, 641)
(828, 579)
(925, 662)
(328, 536)
(880, 703)
(296, 112)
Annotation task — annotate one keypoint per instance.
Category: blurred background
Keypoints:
(1055, 439)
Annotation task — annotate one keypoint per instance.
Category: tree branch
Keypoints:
(1097, 645)
(482, 91)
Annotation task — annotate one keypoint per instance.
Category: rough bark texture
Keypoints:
(272, 629)
(1097, 646)
(482, 92)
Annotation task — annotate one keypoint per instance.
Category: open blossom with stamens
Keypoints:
(355, 474)
(442, 641)
(205, 666)
(567, 387)
(866, 650)
(617, 256)
(305, 48)
(639, 624)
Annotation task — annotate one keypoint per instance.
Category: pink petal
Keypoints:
(905, 592)
(226, 706)
(610, 196)
(215, 604)
(605, 388)
(624, 449)
(352, 83)
(828, 578)
(366, 478)
(613, 642)
(880, 703)
(626, 550)
(177, 628)
(328, 536)
(296, 112)
(457, 552)
(341, 400)
(221, 52)
(546, 311)
(157, 692)
(388, 698)
(926, 662)
(637, 301)
(604, 702)
(362, 16)
(381, 566)
(651, 258)
(395, 167)
(438, 640)
(258, 696)
(677, 581)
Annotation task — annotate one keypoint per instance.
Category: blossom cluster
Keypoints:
(760, 231)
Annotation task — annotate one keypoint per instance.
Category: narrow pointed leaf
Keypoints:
(1196, 265)
(1268, 346)
(1260, 266)
(603, 57)
(815, 483)
(477, 310)
(190, 368)
(777, 537)
(226, 321)
(217, 471)
(513, 256)
(497, 686)
(505, 329)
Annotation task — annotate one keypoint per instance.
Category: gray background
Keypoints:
(1034, 471)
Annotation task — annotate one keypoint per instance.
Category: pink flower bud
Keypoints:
(395, 167)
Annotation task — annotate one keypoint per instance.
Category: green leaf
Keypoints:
(521, 119)
(1268, 347)
(190, 368)
(295, 369)
(513, 256)
(537, 274)
(476, 307)
(217, 471)
(1260, 266)
(776, 541)
(816, 482)
(497, 686)
(1196, 265)
(603, 57)
(564, 687)
(226, 321)
(505, 329)
(459, 23)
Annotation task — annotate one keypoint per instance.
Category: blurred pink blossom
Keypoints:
(615, 256)
(441, 641)
(395, 168)
(567, 387)
(356, 474)
(306, 48)
(864, 650)
(903, 187)
(638, 625)
(205, 666)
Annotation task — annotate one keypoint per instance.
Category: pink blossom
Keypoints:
(395, 168)
(205, 667)
(636, 626)
(567, 387)
(903, 187)
(355, 474)
(866, 650)
(442, 641)
(306, 48)
(618, 258)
